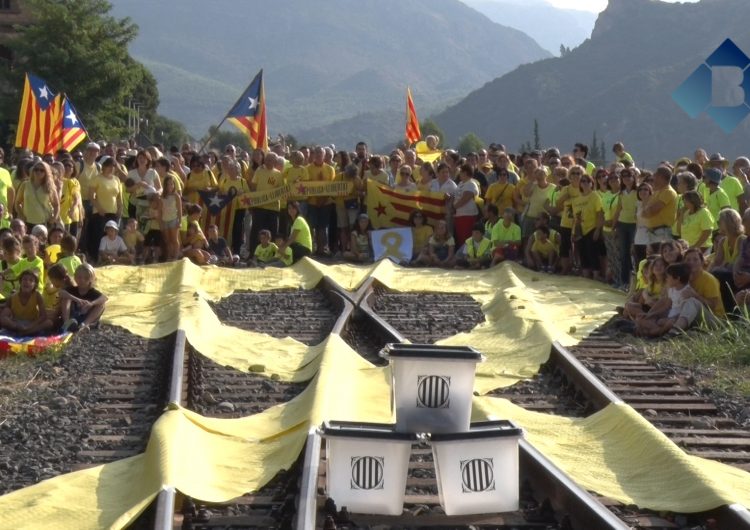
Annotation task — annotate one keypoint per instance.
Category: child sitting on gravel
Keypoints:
(476, 251)
(25, 314)
(684, 307)
(265, 252)
(81, 305)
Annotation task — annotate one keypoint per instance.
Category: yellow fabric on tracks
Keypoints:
(524, 311)
(614, 452)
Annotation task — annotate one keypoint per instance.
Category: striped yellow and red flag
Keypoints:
(68, 130)
(249, 113)
(36, 119)
(413, 134)
(387, 207)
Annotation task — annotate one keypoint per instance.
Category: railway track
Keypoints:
(131, 393)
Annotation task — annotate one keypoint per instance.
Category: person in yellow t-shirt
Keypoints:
(697, 222)
(501, 193)
(200, 178)
(588, 213)
(71, 203)
(705, 284)
(564, 207)
(420, 233)
(660, 211)
(266, 250)
(319, 209)
(107, 204)
(543, 251)
(266, 215)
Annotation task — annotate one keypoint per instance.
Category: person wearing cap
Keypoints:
(717, 199)
(112, 248)
(25, 314)
(360, 249)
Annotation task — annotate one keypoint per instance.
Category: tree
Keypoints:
(429, 127)
(470, 143)
(537, 141)
(564, 50)
(167, 132)
(78, 48)
(220, 139)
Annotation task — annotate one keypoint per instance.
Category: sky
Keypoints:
(595, 6)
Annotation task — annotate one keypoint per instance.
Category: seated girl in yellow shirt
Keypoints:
(25, 314)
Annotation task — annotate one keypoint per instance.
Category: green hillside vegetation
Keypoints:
(618, 83)
(323, 62)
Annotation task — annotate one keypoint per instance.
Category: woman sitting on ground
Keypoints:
(361, 247)
(440, 251)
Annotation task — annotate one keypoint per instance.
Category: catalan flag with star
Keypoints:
(68, 130)
(413, 134)
(39, 108)
(387, 207)
(249, 113)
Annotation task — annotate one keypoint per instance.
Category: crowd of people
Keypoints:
(674, 237)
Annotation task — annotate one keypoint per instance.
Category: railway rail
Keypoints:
(574, 382)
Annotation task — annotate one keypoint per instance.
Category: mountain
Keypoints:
(323, 61)
(548, 25)
(618, 83)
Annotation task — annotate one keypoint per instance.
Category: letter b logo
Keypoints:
(720, 86)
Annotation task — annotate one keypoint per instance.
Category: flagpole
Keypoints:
(230, 110)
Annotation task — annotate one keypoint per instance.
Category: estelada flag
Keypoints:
(387, 207)
(68, 130)
(39, 109)
(249, 113)
(413, 134)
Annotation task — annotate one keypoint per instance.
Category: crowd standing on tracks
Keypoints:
(674, 237)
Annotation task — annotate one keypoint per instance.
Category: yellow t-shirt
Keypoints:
(588, 206)
(267, 179)
(86, 177)
(323, 172)
(609, 203)
(694, 224)
(267, 253)
(287, 257)
(37, 208)
(202, 180)
(537, 199)
(53, 253)
(500, 232)
(730, 254)
(381, 177)
(628, 201)
(70, 191)
(707, 286)
(239, 185)
(132, 238)
(304, 237)
(716, 202)
(70, 263)
(420, 237)
(501, 195)
(544, 248)
(295, 174)
(566, 215)
(107, 190)
(666, 216)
